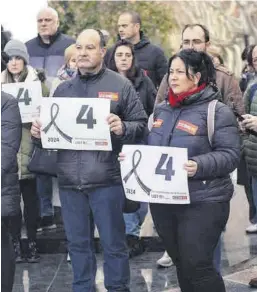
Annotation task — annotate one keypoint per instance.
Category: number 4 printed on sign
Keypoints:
(88, 112)
(168, 171)
(26, 99)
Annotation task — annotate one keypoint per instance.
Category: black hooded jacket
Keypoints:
(145, 90)
(149, 57)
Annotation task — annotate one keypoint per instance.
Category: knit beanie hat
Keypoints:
(69, 52)
(17, 48)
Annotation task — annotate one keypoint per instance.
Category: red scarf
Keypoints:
(176, 100)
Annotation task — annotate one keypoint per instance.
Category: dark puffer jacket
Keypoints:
(91, 169)
(149, 57)
(212, 180)
(145, 90)
(49, 57)
(10, 144)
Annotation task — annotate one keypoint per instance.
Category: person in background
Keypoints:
(250, 122)
(150, 58)
(197, 37)
(243, 176)
(248, 70)
(250, 143)
(123, 61)
(68, 70)
(46, 51)
(18, 70)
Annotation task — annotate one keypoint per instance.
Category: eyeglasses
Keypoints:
(194, 42)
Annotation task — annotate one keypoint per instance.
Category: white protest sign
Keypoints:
(75, 123)
(29, 96)
(155, 174)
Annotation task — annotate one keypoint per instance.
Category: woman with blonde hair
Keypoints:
(68, 70)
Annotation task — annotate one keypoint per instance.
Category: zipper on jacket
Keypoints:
(170, 136)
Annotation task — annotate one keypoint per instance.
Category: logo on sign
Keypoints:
(101, 143)
(187, 127)
(109, 95)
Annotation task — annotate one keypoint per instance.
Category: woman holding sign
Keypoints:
(18, 70)
(191, 232)
(123, 61)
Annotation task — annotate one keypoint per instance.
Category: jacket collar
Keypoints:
(52, 38)
(91, 76)
(143, 41)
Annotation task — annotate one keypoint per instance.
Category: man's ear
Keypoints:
(137, 25)
(103, 51)
(208, 44)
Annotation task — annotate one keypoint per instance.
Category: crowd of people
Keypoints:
(150, 89)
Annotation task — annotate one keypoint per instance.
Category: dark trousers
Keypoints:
(106, 207)
(7, 260)
(28, 189)
(190, 234)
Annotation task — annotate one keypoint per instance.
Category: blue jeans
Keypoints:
(45, 194)
(254, 188)
(106, 206)
(134, 221)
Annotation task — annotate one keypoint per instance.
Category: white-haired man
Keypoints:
(47, 49)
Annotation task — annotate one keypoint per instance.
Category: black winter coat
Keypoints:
(145, 90)
(91, 169)
(149, 57)
(10, 143)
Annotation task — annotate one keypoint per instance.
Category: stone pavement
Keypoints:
(239, 262)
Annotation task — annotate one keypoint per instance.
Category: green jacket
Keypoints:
(26, 148)
(250, 143)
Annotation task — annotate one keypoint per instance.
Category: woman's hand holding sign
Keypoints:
(35, 129)
(191, 166)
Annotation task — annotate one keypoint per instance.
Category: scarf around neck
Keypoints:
(176, 100)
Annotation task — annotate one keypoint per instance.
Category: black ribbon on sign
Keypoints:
(53, 123)
(134, 170)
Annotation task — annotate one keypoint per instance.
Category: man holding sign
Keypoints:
(90, 181)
